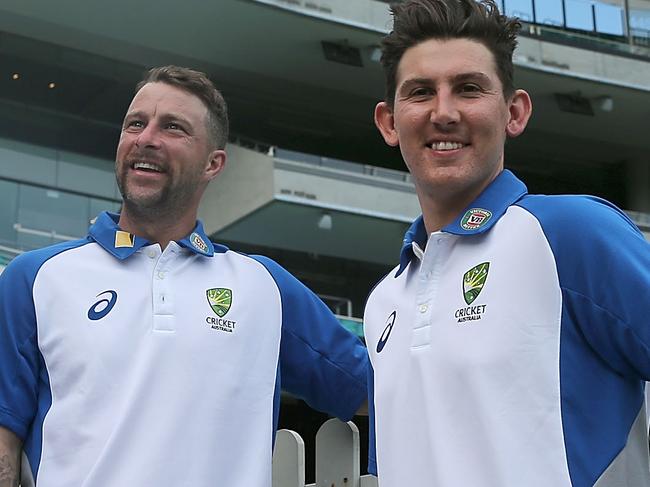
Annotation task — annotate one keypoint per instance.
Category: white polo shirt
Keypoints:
(122, 364)
(512, 350)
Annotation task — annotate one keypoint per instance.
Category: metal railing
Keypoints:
(608, 25)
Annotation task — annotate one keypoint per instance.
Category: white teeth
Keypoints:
(146, 165)
(446, 146)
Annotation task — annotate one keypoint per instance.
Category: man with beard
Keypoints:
(510, 345)
(147, 355)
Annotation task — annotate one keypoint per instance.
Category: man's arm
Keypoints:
(10, 449)
(320, 361)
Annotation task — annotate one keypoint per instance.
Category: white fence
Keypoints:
(337, 458)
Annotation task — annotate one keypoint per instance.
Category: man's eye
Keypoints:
(421, 91)
(174, 126)
(470, 88)
(135, 124)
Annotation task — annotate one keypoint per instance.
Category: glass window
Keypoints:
(640, 21)
(579, 15)
(86, 175)
(549, 12)
(47, 210)
(520, 8)
(610, 19)
(8, 202)
(27, 162)
(98, 205)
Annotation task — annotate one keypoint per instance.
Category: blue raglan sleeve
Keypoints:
(320, 361)
(19, 356)
(372, 445)
(603, 264)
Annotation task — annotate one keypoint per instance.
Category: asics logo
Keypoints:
(102, 307)
(389, 327)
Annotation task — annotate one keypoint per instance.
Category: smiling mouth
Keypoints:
(446, 146)
(146, 167)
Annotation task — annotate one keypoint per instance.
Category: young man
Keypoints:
(147, 355)
(511, 343)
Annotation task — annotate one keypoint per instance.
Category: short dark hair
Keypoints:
(416, 21)
(199, 85)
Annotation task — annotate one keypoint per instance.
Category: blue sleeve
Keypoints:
(603, 264)
(320, 361)
(372, 445)
(19, 357)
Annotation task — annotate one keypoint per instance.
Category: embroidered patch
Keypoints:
(220, 300)
(124, 239)
(474, 280)
(475, 218)
(198, 243)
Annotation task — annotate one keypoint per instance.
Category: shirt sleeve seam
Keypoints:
(325, 357)
(613, 315)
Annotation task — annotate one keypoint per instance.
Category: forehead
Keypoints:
(441, 58)
(163, 99)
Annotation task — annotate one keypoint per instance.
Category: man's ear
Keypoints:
(385, 122)
(216, 163)
(520, 108)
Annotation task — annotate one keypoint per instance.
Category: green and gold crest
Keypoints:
(220, 300)
(474, 280)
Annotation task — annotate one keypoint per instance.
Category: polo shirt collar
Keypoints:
(478, 217)
(107, 233)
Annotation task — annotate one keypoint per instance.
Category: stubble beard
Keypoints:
(168, 202)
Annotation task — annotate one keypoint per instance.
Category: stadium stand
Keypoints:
(324, 196)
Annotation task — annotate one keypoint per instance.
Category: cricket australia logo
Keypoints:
(474, 280)
(220, 300)
(475, 218)
(473, 283)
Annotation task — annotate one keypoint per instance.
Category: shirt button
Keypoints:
(161, 275)
(423, 308)
(151, 254)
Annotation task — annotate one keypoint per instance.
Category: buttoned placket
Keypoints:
(161, 286)
(428, 283)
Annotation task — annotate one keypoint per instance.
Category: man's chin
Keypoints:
(143, 202)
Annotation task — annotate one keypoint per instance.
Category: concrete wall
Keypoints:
(245, 184)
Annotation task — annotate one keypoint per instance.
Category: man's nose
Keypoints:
(149, 137)
(445, 110)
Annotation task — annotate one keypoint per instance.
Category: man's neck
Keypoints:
(439, 212)
(440, 209)
(160, 228)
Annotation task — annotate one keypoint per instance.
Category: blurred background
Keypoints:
(309, 182)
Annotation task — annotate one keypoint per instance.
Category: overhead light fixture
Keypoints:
(604, 102)
(15, 76)
(325, 221)
(375, 54)
(574, 103)
(342, 52)
(51, 86)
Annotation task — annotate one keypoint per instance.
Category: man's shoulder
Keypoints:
(265, 265)
(31, 261)
(581, 214)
